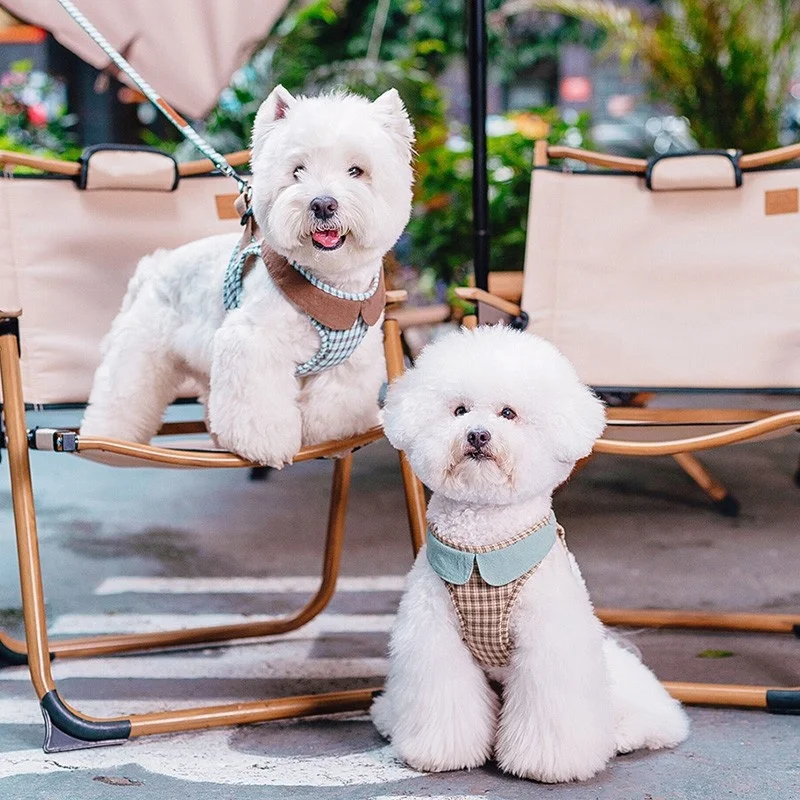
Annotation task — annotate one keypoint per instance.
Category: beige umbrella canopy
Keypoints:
(186, 49)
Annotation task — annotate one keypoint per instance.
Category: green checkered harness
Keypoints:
(335, 346)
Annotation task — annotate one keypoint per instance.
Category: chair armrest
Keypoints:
(414, 317)
(396, 296)
(473, 295)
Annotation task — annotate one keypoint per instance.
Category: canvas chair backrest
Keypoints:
(67, 254)
(687, 277)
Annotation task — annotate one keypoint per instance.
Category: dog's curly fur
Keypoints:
(572, 696)
(173, 324)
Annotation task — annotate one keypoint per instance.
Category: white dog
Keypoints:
(331, 193)
(493, 420)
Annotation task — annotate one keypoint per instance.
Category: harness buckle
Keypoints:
(244, 205)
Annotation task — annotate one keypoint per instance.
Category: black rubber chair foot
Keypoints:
(259, 473)
(729, 506)
(66, 731)
(783, 701)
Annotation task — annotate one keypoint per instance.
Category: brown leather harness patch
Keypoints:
(333, 312)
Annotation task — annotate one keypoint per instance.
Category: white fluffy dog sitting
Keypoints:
(493, 420)
(331, 193)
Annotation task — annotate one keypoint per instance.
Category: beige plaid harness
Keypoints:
(484, 609)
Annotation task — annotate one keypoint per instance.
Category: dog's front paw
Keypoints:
(571, 749)
(444, 736)
(273, 448)
(545, 763)
(440, 753)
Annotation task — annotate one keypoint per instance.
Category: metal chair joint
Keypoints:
(54, 439)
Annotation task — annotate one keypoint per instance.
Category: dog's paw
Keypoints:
(545, 765)
(267, 451)
(661, 725)
(445, 738)
(552, 751)
(436, 754)
(381, 714)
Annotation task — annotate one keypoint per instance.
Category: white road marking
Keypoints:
(229, 666)
(151, 623)
(299, 584)
(186, 757)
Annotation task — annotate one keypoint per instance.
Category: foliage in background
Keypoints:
(440, 231)
(726, 65)
(33, 116)
(368, 46)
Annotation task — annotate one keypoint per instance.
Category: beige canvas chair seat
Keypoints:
(665, 279)
(72, 235)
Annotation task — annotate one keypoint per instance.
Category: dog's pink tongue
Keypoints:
(326, 238)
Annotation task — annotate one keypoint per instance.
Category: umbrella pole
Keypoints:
(480, 184)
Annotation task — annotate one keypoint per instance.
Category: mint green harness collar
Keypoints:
(498, 566)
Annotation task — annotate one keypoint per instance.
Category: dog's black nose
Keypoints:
(324, 207)
(478, 438)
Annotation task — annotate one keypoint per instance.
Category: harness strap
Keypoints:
(341, 319)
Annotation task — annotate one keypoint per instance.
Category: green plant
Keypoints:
(33, 116)
(440, 230)
(724, 64)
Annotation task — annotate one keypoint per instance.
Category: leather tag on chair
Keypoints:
(226, 208)
(781, 201)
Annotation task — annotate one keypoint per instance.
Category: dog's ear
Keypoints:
(394, 117)
(403, 410)
(579, 422)
(272, 110)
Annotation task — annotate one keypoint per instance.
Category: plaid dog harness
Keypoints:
(484, 597)
(340, 318)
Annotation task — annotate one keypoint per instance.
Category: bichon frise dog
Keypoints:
(493, 420)
(295, 357)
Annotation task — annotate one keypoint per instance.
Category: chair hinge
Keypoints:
(54, 439)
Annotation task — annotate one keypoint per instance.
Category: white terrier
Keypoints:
(493, 420)
(331, 194)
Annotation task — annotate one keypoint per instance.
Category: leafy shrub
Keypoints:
(440, 237)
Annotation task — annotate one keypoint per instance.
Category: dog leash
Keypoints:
(186, 130)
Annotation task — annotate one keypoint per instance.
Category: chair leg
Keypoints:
(65, 727)
(14, 653)
(414, 491)
(725, 502)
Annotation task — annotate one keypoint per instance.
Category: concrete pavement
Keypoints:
(133, 549)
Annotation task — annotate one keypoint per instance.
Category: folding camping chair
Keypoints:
(71, 238)
(675, 275)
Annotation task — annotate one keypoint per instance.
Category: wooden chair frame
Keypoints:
(744, 425)
(67, 728)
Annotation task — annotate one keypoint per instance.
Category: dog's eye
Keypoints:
(460, 411)
(297, 170)
(355, 172)
(508, 413)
